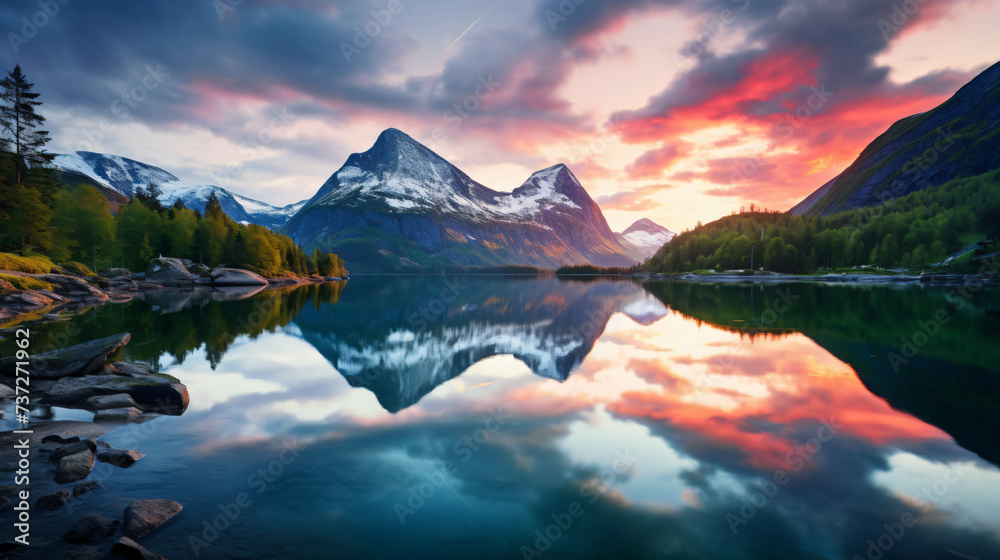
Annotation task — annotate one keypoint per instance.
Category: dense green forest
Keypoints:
(910, 232)
(81, 225)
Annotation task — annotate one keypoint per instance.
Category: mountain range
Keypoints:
(401, 207)
(116, 175)
(955, 139)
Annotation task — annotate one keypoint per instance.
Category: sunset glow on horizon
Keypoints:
(675, 111)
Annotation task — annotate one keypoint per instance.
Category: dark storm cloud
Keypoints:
(842, 39)
(88, 55)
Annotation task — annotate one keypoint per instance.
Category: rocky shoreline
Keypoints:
(72, 294)
(63, 453)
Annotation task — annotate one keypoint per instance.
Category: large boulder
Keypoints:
(72, 448)
(91, 529)
(144, 516)
(236, 277)
(81, 359)
(169, 271)
(74, 468)
(152, 392)
(54, 500)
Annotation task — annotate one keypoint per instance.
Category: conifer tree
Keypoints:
(22, 123)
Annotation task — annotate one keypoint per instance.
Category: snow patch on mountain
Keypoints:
(646, 236)
(538, 193)
(126, 176)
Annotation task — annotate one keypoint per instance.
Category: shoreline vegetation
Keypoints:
(36, 289)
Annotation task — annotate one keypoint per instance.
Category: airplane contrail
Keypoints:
(470, 27)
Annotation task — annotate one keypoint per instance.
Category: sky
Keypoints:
(678, 111)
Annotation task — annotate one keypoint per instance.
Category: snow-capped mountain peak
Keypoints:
(126, 176)
(647, 236)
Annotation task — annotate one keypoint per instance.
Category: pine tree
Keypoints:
(21, 122)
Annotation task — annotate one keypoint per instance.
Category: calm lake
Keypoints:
(486, 417)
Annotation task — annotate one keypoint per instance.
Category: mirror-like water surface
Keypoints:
(470, 417)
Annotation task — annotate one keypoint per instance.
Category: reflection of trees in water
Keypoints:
(178, 323)
(871, 315)
(951, 381)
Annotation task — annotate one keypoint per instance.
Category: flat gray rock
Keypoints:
(236, 277)
(144, 516)
(123, 458)
(81, 359)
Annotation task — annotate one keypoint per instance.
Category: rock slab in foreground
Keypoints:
(152, 392)
(91, 529)
(123, 458)
(81, 359)
(127, 549)
(144, 516)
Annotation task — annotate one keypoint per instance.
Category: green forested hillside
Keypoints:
(910, 232)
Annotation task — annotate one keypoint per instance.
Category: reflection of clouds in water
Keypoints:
(702, 443)
(968, 491)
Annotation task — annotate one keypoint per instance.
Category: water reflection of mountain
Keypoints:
(402, 337)
(953, 380)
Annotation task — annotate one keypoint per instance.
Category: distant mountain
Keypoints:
(124, 176)
(646, 236)
(956, 139)
(400, 206)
